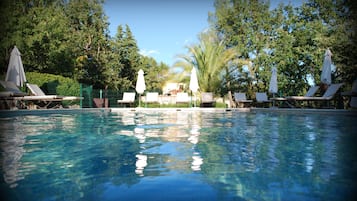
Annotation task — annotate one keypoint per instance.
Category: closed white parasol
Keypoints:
(15, 71)
(326, 68)
(194, 83)
(140, 84)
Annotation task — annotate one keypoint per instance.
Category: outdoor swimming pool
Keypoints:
(178, 155)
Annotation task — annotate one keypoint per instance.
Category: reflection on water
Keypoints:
(221, 155)
(140, 164)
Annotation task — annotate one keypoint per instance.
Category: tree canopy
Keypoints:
(292, 39)
(71, 38)
(247, 38)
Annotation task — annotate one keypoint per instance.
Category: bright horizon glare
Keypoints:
(163, 28)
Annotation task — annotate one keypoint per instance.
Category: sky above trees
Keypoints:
(163, 28)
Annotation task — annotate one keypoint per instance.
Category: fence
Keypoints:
(95, 97)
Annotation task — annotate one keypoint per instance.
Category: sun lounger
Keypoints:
(290, 99)
(351, 95)
(182, 97)
(38, 96)
(7, 101)
(326, 97)
(310, 93)
(262, 98)
(11, 89)
(207, 99)
(128, 98)
(151, 97)
(241, 99)
(353, 102)
(37, 93)
(8, 96)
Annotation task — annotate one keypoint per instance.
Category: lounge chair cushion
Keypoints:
(262, 97)
(241, 97)
(11, 88)
(128, 97)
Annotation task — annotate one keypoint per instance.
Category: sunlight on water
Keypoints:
(178, 155)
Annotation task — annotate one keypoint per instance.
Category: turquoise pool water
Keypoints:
(178, 155)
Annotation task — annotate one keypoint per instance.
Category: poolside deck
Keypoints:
(5, 113)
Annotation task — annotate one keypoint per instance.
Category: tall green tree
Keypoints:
(292, 39)
(339, 34)
(127, 57)
(40, 30)
(245, 26)
(89, 29)
(156, 74)
(210, 58)
(294, 49)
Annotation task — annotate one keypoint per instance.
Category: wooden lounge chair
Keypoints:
(207, 99)
(39, 98)
(262, 98)
(6, 94)
(8, 97)
(182, 97)
(351, 95)
(7, 100)
(289, 100)
(326, 97)
(241, 99)
(310, 93)
(11, 89)
(128, 99)
(37, 93)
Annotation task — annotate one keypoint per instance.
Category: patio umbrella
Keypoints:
(140, 84)
(273, 85)
(194, 83)
(326, 68)
(15, 70)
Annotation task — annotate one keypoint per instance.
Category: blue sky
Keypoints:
(162, 28)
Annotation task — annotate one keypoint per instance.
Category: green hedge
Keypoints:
(54, 84)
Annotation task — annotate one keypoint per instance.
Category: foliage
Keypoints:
(54, 84)
(126, 59)
(210, 58)
(155, 74)
(292, 39)
(40, 31)
(244, 25)
(71, 39)
(89, 30)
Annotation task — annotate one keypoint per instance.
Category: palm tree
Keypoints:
(210, 58)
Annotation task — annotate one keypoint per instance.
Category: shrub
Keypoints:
(54, 84)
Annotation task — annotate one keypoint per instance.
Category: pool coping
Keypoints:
(349, 112)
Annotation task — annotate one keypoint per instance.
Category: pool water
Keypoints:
(178, 155)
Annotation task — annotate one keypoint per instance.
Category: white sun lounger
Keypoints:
(38, 94)
(151, 97)
(182, 97)
(128, 98)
